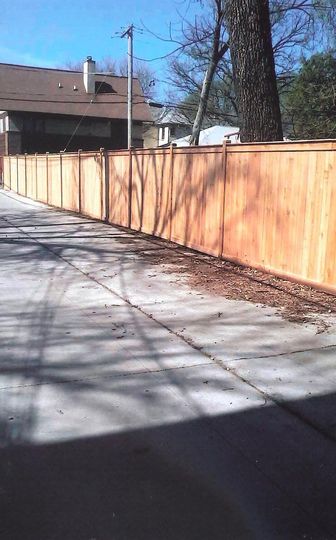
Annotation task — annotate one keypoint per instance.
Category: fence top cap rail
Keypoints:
(186, 149)
(294, 141)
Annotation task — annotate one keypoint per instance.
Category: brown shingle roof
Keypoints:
(34, 89)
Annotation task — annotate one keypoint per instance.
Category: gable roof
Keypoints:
(163, 114)
(45, 90)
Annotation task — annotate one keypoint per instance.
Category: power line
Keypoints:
(61, 102)
(82, 118)
(32, 94)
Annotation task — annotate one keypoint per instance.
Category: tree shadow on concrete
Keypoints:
(232, 476)
(92, 447)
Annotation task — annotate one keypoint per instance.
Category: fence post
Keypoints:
(36, 197)
(17, 173)
(102, 186)
(25, 168)
(130, 181)
(47, 171)
(107, 186)
(61, 177)
(222, 199)
(10, 172)
(79, 183)
(171, 178)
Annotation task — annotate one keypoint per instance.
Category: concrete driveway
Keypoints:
(130, 410)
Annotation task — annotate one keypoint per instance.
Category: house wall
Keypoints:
(150, 136)
(2, 153)
(164, 137)
(14, 142)
(31, 133)
(3, 144)
(159, 135)
(3, 121)
(137, 135)
(169, 132)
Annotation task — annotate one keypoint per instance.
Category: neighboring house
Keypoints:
(212, 135)
(48, 110)
(167, 124)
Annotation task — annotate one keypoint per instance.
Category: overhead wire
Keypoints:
(85, 114)
(74, 101)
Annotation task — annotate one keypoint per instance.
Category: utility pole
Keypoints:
(129, 33)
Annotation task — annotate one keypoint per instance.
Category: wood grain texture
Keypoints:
(151, 192)
(54, 180)
(269, 206)
(21, 175)
(118, 192)
(7, 172)
(31, 176)
(42, 178)
(91, 184)
(196, 200)
(13, 172)
(70, 182)
(279, 212)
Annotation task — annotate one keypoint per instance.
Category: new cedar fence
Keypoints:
(270, 206)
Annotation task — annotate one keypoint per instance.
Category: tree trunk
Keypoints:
(203, 102)
(253, 70)
(217, 52)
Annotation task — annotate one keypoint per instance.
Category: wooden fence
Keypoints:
(270, 206)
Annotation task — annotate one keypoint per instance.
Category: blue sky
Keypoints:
(49, 33)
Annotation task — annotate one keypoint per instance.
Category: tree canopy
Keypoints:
(311, 101)
(297, 27)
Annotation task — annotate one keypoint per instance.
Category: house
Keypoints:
(212, 135)
(48, 110)
(167, 124)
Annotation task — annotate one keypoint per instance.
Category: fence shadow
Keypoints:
(90, 451)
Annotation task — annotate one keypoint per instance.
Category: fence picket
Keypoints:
(270, 206)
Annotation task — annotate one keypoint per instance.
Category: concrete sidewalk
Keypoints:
(131, 410)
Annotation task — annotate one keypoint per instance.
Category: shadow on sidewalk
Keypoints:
(256, 474)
